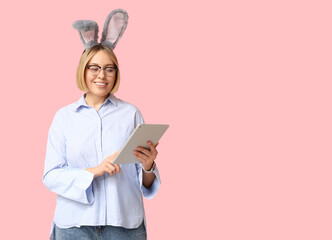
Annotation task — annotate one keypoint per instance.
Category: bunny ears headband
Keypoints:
(115, 24)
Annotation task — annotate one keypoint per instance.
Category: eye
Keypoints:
(110, 70)
(94, 69)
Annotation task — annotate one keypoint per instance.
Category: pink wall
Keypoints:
(244, 85)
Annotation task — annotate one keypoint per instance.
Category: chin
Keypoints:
(100, 93)
(104, 94)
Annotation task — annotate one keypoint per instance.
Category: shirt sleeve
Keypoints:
(151, 191)
(71, 183)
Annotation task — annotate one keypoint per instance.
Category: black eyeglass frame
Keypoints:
(104, 68)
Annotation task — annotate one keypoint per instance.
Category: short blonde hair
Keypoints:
(84, 60)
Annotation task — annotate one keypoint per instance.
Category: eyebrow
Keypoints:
(110, 64)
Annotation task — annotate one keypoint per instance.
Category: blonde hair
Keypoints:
(84, 60)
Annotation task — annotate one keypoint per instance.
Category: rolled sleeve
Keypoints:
(150, 192)
(74, 184)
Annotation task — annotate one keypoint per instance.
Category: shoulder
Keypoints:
(64, 112)
(129, 111)
(121, 104)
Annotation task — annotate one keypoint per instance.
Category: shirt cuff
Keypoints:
(88, 198)
(150, 192)
(74, 184)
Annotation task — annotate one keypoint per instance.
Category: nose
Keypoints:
(101, 74)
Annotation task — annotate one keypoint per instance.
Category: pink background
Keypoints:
(244, 85)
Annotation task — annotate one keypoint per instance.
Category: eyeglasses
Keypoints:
(95, 70)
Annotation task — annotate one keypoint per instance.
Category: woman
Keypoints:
(98, 199)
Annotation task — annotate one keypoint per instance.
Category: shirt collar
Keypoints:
(82, 103)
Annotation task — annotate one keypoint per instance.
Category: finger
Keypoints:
(140, 156)
(143, 161)
(153, 148)
(114, 154)
(144, 151)
(117, 167)
(110, 171)
(156, 145)
(110, 168)
(111, 157)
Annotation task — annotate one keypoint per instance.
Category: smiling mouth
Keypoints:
(100, 84)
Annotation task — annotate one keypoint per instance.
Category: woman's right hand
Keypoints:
(106, 167)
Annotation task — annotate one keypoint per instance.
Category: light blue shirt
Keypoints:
(81, 138)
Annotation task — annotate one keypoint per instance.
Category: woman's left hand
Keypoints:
(146, 156)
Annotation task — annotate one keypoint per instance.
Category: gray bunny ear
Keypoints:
(88, 31)
(115, 24)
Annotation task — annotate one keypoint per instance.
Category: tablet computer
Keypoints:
(140, 136)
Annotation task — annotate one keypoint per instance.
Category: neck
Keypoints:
(95, 101)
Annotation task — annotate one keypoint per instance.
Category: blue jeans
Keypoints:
(100, 233)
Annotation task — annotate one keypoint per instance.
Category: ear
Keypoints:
(88, 31)
(115, 24)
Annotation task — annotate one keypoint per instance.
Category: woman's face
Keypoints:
(100, 84)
